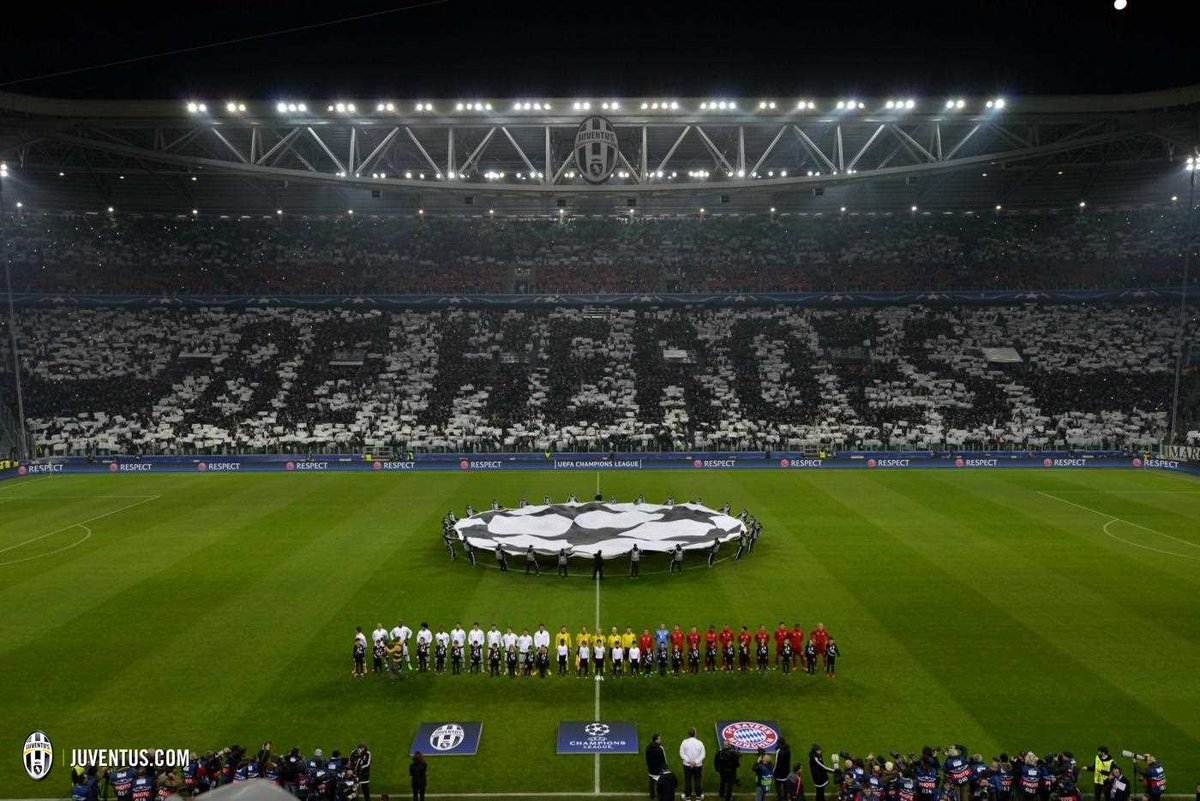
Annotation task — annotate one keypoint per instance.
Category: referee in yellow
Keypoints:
(582, 638)
(562, 647)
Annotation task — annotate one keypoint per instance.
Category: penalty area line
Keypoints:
(1114, 519)
(80, 523)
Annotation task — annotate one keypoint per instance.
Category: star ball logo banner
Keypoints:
(447, 739)
(749, 735)
(597, 737)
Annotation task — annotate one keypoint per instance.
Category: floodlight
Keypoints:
(1082, 203)
(341, 107)
(231, 107)
(278, 212)
(914, 208)
(281, 107)
(910, 103)
(110, 209)
(998, 207)
(1119, 5)
(772, 209)
(195, 212)
(192, 108)
(20, 204)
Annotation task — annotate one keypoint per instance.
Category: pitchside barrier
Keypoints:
(847, 460)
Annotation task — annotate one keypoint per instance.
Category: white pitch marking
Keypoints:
(80, 523)
(596, 705)
(56, 551)
(1114, 519)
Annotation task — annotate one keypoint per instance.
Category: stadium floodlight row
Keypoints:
(521, 155)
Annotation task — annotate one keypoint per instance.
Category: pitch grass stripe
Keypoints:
(905, 512)
(827, 575)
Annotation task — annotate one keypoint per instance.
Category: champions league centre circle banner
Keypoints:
(609, 528)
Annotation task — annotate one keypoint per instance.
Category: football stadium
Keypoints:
(812, 438)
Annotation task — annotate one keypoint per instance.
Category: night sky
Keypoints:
(470, 48)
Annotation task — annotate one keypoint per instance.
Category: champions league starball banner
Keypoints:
(749, 735)
(447, 739)
(597, 737)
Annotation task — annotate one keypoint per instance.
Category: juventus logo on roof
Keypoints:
(596, 150)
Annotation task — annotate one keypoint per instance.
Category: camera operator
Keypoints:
(925, 774)
(85, 787)
(957, 771)
(981, 772)
(1154, 778)
(1029, 779)
(1003, 779)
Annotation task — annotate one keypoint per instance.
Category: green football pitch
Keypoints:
(1005, 609)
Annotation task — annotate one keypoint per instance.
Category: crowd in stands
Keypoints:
(1076, 249)
(216, 380)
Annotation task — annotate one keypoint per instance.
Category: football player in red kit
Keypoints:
(796, 636)
(781, 634)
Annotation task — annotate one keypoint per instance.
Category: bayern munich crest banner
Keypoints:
(447, 739)
(749, 735)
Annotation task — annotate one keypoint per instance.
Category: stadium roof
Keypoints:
(673, 155)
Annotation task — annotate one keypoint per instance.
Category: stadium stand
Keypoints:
(1064, 249)
(214, 380)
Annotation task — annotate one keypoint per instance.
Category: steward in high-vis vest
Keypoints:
(1103, 770)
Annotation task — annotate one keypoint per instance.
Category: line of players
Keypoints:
(315, 778)
(594, 653)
